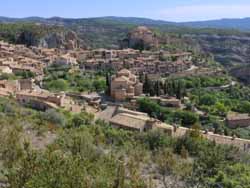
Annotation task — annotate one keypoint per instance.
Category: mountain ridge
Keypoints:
(242, 24)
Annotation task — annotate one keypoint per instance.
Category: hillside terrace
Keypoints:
(120, 117)
(150, 62)
(136, 61)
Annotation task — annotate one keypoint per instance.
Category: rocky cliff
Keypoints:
(63, 40)
(40, 35)
(229, 50)
(242, 73)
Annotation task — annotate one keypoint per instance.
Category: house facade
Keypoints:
(125, 85)
(235, 120)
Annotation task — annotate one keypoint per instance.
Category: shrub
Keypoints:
(208, 100)
(156, 139)
(186, 118)
(57, 85)
(81, 119)
(54, 117)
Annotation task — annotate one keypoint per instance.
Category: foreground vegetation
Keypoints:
(93, 154)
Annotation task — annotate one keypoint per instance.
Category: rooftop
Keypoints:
(130, 121)
(237, 116)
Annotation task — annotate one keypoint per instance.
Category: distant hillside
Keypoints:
(239, 24)
(123, 20)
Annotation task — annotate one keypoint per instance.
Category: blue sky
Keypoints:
(171, 10)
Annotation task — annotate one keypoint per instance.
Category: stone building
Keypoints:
(124, 85)
(123, 118)
(40, 99)
(65, 60)
(235, 120)
(43, 100)
(26, 84)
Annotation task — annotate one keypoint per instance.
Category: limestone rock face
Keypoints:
(141, 38)
(63, 40)
(242, 73)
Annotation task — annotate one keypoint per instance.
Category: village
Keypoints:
(119, 106)
(124, 94)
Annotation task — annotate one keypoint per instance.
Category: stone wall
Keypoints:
(243, 144)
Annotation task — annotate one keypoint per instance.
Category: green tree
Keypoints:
(81, 119)
(208, 99)
(99, 85)
(157, 88)
(146, 85)
(180, 89)
(108, 81)
(57, 85)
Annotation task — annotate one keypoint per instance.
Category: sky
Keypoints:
(169, 10)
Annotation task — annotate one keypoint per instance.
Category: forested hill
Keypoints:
(242, 24)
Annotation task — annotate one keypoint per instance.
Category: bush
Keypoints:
(244, 107)
(156, 139)
(54, 117)
(186, 118)
(208, 100)
(57, 85)
(99, 85)
(81, 119)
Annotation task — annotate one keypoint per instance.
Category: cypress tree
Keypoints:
(157, 88)
(146, 85)
(108, 83)
(171, 88)
(165, 87)
(180, 91)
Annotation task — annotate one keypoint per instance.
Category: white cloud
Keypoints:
(204, 12)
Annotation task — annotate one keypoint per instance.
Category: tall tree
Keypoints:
(165, 87)
(180, 89)
(157, 88)
(108, 83)
(147, 85)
